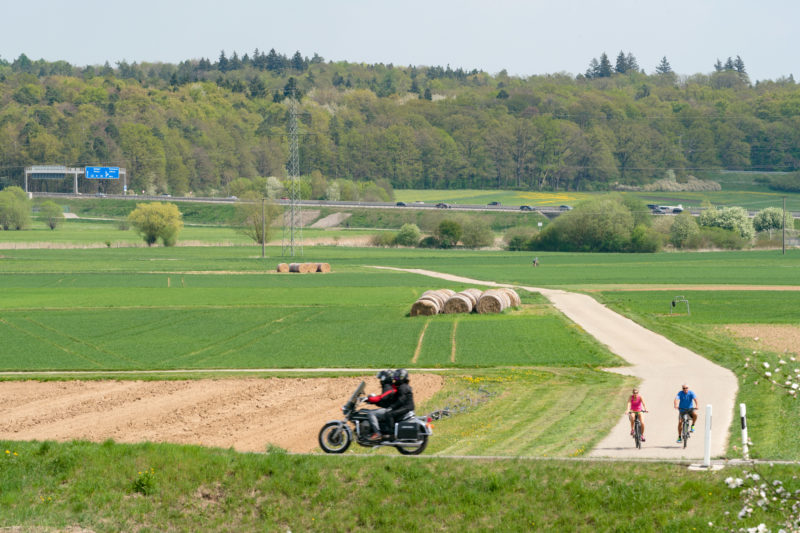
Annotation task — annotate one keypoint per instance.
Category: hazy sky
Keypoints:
(524, 37)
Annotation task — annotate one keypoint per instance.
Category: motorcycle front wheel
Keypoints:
(414, 450)
(334, 438)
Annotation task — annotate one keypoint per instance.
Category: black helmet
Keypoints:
(401, 375)
(385, 376)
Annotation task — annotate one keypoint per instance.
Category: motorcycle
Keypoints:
(409, 435)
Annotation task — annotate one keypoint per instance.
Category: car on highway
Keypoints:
(442, 205)
(565, 207)
(100, 194)
(493, 203)
(525, 208)
(400, 204)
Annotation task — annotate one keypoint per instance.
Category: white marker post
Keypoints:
(743, 415)
(707, 453)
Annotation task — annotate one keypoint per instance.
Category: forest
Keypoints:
(202, 125)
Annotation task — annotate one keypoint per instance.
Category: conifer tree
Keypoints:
(663, 67)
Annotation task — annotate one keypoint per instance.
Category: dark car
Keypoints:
(525, 208)
(400, 204)
(651, 206)
(442, 205)
(565, 207)
(494, 203)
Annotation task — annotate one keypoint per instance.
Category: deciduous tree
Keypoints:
(157, 221)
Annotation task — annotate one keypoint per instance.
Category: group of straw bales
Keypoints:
(446, 301)
(304, 268)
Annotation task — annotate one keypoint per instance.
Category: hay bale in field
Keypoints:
(493, 301)
(283, 267)
(473, 294)
(447, 292)
(302, 268)
(424, 308)
(458, 303)
(512, 296)
(438, 296)
(323, 267)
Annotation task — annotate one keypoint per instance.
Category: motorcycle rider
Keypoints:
(404, 397)
(382, 400)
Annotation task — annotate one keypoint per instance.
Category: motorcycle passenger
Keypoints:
(404, 398)
(382, 400)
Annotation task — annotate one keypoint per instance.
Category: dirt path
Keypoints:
(245, 414)
(662, 367)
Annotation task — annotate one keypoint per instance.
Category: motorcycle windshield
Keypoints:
(358, 392)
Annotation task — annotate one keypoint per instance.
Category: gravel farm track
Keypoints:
(249, 414)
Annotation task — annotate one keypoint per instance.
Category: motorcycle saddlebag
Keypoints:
(407, 430)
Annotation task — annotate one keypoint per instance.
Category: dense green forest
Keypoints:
(200, 125)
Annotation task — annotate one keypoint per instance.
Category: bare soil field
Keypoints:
(781, 338)
(245, 414)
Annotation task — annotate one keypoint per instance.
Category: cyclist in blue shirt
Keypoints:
(686, 400)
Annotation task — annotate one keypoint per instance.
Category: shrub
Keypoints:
(713, 237)
(429, 242)
(683, 228)
(52, 214)
(385, 239)
(519, 238)
(730, 218)
(476, 234)
(408, 235)
(15, 209)
(768, 219)
(157, 221)
(603, 224)
(448, 233)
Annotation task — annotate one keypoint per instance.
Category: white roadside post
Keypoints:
(707, 453)
(743, 415)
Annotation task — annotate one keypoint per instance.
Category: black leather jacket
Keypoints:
(404, 401)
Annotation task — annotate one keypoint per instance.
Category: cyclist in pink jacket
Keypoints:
(636, 405)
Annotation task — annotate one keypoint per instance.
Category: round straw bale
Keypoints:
(283, 267)
(437, 296)
(424, 308)
(458, 303)
(493, 301)
(306, 268)
(447, 292)
(294, 267)
(473, 295)
(512, 296)
(323, 267)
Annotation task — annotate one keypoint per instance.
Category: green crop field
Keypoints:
(167, 321)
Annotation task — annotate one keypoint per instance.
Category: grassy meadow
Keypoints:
(160, 487)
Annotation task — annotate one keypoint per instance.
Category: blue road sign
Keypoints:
(102, 173)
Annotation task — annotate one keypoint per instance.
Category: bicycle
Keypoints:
(637, 427)
(686, 420)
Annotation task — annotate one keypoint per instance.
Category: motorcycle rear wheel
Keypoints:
(414, 450)
(334, 438)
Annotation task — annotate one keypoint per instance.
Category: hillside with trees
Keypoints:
(220, 126)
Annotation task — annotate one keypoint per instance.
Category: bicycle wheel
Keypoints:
(637, 432)
(686, 426)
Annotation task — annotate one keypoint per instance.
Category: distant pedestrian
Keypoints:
(536, 261)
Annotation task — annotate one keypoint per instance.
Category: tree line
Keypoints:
(199, 126)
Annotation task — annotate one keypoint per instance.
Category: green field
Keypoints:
(159, 487)
(168, 321)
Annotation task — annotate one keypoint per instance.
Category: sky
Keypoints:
(523, 37)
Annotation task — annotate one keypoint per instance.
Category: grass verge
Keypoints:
(110, 487)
